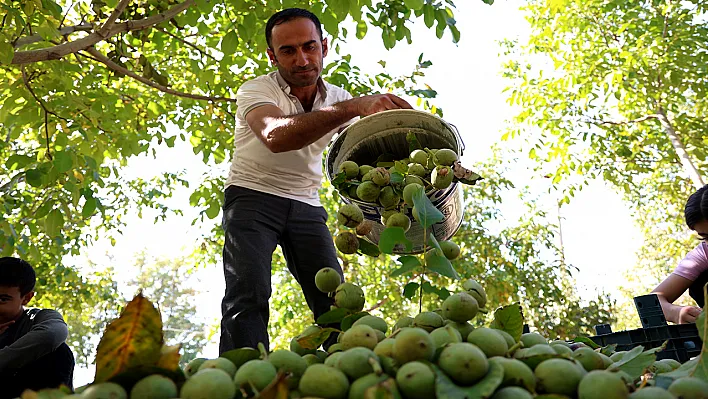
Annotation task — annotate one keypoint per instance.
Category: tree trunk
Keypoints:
(680, 149)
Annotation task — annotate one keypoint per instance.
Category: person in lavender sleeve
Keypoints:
(692, 272)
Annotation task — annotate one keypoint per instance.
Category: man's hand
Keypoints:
(688, 314)
(5, 326)
(368, 105)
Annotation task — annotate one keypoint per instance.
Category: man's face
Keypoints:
(297, 51)
(11, 303)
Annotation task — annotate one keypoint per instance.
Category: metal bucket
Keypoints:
(385, 132)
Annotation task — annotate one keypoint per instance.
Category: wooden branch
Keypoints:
(185, 42)
(61, 50)
(688, 166)
(112, 65)
(25, 80)
(619, 123)
(65, 31)
(106, 28)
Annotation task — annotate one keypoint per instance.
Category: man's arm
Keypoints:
(668, 291)
(48, 332)
(281, 133)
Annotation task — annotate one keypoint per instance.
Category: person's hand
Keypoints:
(688, 314)
(368, 105)
(5, 326)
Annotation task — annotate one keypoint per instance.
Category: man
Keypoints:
(33, 354)
(284, 121)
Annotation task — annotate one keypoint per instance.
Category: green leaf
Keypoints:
(663, 380)
(62, 161)
(445, 388)
(436, 262)
(510, 319)
(7, 52)
(485, 387)
(44, 209)
(314, 341)
(410, 289)
(409, 263)
(89, 208)
(397, 178)
(34, 177)
(240, 356)
(16, 161)
(54, 223)
(361, 29)
(636, 361)
(608, 350)
(391, 236)
(348, 321)
(414, 4)
(213, 210)
(429, 15)
(587, 341)
(229, 43)
(367, 248)
(333, 316)
(427, 213)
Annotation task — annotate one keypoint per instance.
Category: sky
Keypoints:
(599, 235)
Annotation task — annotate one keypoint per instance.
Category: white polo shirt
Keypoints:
(294, 174)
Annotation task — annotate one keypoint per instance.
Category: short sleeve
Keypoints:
(254, 94)
(694, 264)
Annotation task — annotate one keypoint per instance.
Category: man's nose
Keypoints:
(301, 59)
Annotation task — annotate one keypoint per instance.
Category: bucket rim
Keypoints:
(339, 136)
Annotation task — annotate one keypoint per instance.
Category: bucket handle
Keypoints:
(458, 137)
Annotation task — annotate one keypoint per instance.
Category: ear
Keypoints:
(325, 47)
(271, 57)
(28, 297)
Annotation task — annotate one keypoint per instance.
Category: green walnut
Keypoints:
(347, 242)
(441, 178)
(380, 176)
(350, 168)
(368, 191)
(350, 215)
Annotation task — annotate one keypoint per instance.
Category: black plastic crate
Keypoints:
(649, 310)
(683, 340)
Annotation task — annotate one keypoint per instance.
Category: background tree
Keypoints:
(88, 85)
(618, 92)
(168, 284)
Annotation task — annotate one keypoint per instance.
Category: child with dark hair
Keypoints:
(33, 352)
(692, 272)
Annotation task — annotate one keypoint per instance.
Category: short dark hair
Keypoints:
(289, 14)
(697, 207)
(15, 272)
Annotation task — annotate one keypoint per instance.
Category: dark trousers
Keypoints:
(254, 223)
(49, 371)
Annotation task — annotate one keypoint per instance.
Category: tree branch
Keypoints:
(61, 50)
(619, 123)
(194, 46)
(112, 65)
(685, 159)
(106, 28)
(65, 31)
(25, 80)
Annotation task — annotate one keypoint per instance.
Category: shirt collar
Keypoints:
(321, 86)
